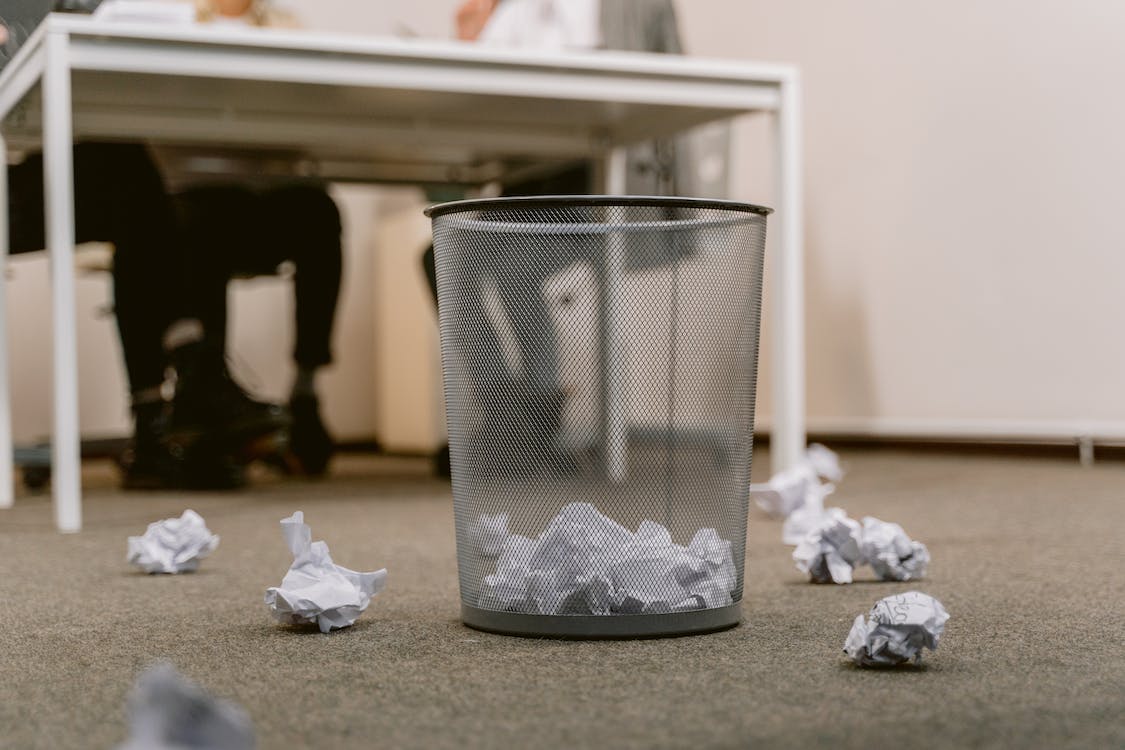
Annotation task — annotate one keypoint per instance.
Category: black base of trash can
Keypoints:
(593, 627)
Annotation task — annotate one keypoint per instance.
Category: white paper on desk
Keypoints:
(316, 590)
(147, 11)
(586, 563)
(896, 630)
(829, 552)
(174, 545)
(167, 711)
(892, 554)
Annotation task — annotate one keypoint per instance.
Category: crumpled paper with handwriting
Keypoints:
(896, 630)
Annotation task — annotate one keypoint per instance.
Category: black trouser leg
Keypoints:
(232, 230)
(307, 229)
(119, 197)
(217, 225)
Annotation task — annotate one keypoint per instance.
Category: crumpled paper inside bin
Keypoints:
(586, 563)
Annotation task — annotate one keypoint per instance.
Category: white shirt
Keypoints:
(547, 25)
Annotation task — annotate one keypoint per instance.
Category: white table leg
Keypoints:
(616, 406)
(787, 441)
(7, 474)
(58, 180)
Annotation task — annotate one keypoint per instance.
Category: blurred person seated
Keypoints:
(173, 258)
(194, 441)
(239, 230)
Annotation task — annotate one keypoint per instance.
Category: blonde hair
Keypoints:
(261, 13)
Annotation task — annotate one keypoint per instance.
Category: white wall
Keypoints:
(963, 259)
(964, 161)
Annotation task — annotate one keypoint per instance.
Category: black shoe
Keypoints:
(145, 467)
(209, 407)
(309, 442)
(146, 464)
(206, 466)
(150, 462)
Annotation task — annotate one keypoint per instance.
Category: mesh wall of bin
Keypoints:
(599, 359)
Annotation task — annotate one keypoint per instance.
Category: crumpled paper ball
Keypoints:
(896, 630)
(786, 491)
(824, 462)
(829, 552)
(892, 554)
(174, 545)
(794, 488)
(487, 534)
(167, 711)
(316, 590)
(809, 516)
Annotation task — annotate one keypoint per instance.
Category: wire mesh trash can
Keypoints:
(599, 358)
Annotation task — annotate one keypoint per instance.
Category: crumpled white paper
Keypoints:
(487, 534)
(824, 462)
(167, 711)
(174, 545)
(829, 552)
(316, 590)
(791, 489)
(809, 516)
(896, 630)
(586, 563)
(786, 491)
(892, 554)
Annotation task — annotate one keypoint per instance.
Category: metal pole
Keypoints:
(7, 472)
(787, 441)
(615, 406)
(58, 181)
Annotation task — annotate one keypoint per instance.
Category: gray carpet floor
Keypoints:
(1027, 557)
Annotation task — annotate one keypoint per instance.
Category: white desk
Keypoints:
(370, 109)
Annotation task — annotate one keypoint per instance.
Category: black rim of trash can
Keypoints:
(595, 627)
(563, 201)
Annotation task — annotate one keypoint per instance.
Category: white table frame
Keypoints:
(695, 89)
